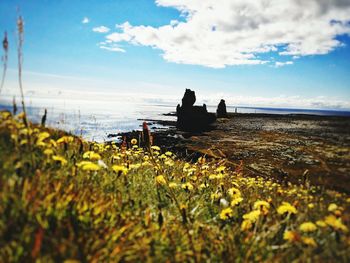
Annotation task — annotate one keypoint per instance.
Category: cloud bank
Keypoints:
(220, 33)
(101, 29)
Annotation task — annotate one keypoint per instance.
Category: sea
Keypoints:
(95, 120)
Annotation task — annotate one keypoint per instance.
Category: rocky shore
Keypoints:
(285, 147)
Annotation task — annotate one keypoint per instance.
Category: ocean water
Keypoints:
(94, 120)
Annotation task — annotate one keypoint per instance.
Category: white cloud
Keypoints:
(112, 48)
(281, 64)
(85, 20)
(219, 33)
(101, 29)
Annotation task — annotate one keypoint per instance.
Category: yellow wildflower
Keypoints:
(262, 206)
(168, 153)
(286, 208)
(160, 180)
(156, 148)
(309, 241)
(321, 223)
(334, 222)
(246, 225)
(59, 159)
(308, 227)
(133, 141)
(311, 206)
(253, 216)
(234, 192)
(290, 236)
(236, 201)
(215, 196)
(220, 169)
(226, 213)
(332, 207)
(42, 136)
(187, 186)
(91, 167)
(172, 185)
(120, 169)
(48, 152)
(65, 139)
(91, 155)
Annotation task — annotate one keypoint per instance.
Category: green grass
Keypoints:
(63, 198)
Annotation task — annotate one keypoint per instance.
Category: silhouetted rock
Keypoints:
(193, 118)
(221, 112)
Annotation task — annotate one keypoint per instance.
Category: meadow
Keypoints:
(64, 199)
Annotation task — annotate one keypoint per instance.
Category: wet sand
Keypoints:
(278, 146)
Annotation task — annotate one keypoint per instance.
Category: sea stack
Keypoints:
(193, 118)
(221, 112)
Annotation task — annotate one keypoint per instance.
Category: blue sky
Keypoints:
(161, 55)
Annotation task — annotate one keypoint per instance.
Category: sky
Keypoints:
(268, 53)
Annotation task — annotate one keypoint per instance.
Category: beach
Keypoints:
(283, 147)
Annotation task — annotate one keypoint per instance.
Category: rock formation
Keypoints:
(190, 117)
(221, 112)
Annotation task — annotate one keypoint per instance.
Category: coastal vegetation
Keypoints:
(66, 199)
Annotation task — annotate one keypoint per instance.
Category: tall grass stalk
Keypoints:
(5, 46)
(20, 32)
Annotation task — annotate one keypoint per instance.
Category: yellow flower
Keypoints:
(59, 159)
(120, 169)
(308, 227)
(290, 236)
(160, 180)
(236, 201)
(168, 153)
(156, 148)
(91, 167)
(334, 222)
(42, 136)
(234, 192)
(48, 152)
(133, 141)
(253, 216)
(92, 156)
(220, 169)
(321, 223)
(332, 207)
(187, 186)
(226, 213)
(215, 196)
(262, 206)
(309, 241)
(286, 208)
(172, 185)
(65, 139)
(311, 206)
(246, 225)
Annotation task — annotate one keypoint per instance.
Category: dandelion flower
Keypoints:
(246, 225)
(234, 192)
(226, 213)
(262, 206)
(321, 223)
(286, 208)
(308, 227)
(133, 141)
(59, 159)
(253, 216)
(332, 207)
(160, 180)
(65, 139)
(309, 241)
(92, 156)
(187, 186)
(120, 169)
(168, 153)
(156, 148)
(91, 167)
(172, 185)
(48, 152)
(290, 236)
(236, 201)
(335, 223)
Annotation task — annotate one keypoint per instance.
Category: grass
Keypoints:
(69, 200)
